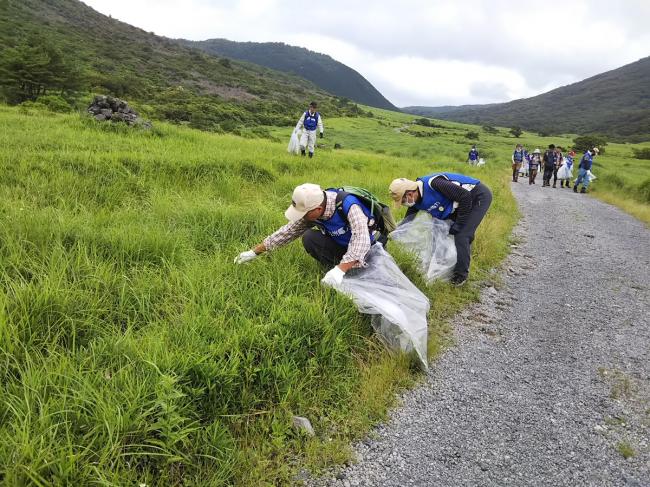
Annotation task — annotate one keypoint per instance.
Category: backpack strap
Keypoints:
(340, 197)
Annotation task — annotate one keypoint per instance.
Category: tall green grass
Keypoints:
(133, 351)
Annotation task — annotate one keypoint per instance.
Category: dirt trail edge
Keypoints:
(549, 381)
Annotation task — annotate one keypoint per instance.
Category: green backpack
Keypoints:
(384, 220)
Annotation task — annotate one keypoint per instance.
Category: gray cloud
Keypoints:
(516, 49)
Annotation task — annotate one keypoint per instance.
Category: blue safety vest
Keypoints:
(311, 121)
(518, 156)
(337, 227)
(473, 155)
(586, 161)
(569, 161)
(435, 203)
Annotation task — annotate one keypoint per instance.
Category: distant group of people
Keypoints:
(554, 164)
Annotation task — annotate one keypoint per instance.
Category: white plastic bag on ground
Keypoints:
(591, 175)
(564, 172)
(294, 143)
(481, 162)
(398, 307)
(428, 238)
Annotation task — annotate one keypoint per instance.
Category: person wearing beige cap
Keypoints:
(342, 239)
(447, 196)
(583, 170)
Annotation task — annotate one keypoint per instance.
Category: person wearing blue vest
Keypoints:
(518, 158)
(447, 196)
(308, 123)
(583, 169)
(473, 156)
(336, 229)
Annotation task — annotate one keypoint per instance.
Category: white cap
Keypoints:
(305, 198)
(595, 150)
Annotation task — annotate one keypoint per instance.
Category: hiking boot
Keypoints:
(583, 190)
(575, 188)
(311, 154)
(555, 185)
(303, 152)
(458, 280)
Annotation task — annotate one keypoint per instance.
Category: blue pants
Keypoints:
(582, 178)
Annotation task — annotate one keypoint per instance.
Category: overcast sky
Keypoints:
(424, 52)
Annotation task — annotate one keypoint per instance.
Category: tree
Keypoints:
(588, 142)
(516, 131)
(33, 67)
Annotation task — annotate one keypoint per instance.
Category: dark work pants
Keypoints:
(548, 173)
(481, 200)
(323, 248)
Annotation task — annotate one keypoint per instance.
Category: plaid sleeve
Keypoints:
(360, 241)
(286, 234)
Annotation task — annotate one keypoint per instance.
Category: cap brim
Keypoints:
(294, 215)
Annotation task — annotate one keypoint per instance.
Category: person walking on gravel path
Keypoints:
(559, 160)
(549, 165)
(517, 160)
(583, 168)
(533, 165)
(308, 123)
(447, 196)
(568, 162)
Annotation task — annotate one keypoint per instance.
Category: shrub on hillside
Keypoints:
(516, 131)
(587, 142)
(644, 190)
(642, 153)
(489, 129)
(472, 135)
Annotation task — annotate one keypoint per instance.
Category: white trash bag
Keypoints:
(590, 175)
(428, 238)
(294, 143)
(564, 172)
(398, 307)
(481, 162)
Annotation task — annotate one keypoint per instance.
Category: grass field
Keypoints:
(133, 351)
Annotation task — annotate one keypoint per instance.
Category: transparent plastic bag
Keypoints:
(591, 175)
(398, 307)
(428, 238)
(564, 172)
(481, 162)
(294, 143)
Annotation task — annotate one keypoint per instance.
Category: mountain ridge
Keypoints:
(615, 103)
(321, 69)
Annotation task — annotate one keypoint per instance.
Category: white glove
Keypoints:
(334, 277)
(245, 257)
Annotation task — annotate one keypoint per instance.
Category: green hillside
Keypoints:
(132, 350)
(64, 47)
(325, 72)
(616, 103)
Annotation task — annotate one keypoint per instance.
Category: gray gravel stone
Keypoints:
(549, 375)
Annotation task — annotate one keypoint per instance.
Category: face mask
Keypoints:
(408, 203)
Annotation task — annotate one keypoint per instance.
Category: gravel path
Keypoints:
(550, 377)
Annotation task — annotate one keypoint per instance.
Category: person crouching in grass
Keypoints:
(342, 237)
(447, 196)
